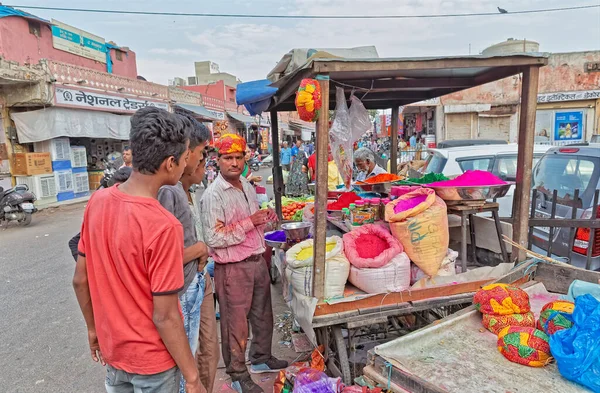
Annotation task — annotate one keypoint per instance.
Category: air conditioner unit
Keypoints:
(64, 180)
(78, 157)
(43, 186)
(59, 148)
(81, 182)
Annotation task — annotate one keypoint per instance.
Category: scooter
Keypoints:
(254, 163)
(16, 204)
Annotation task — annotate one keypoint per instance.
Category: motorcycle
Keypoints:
(16, 204)
(254, 163)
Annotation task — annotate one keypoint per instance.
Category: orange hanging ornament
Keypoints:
(308, 100)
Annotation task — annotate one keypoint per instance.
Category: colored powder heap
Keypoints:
(343, 201)
(370, 246)
(426, 179)
(382, 177)
(408, 204)
(277, 236)
(471, 178)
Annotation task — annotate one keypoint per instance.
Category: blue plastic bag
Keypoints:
(577, 350)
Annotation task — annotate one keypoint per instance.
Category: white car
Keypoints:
(501, 160)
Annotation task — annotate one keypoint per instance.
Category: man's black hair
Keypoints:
(126, 148)
(155, 136)
(199, 133)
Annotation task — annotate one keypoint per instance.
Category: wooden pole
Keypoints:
(394, 144)
(320, 229)
(521, 199)
(278, 189)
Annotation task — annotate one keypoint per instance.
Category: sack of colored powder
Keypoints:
(421, 226)
(501, 299)
(555, 316)
(370, 246)
(495, 323)
(524, 345)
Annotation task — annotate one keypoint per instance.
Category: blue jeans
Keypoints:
(191, 301)
(119, 381)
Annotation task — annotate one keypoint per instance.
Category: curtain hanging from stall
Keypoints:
(44, 124)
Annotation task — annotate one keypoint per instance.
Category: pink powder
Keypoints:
(408, 204)
(471, 178)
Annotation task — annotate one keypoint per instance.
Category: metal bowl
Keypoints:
(467, 193)
(383, 187)
(272, 243)
(296, 231)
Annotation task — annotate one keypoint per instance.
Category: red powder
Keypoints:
(471, 178)
(343, 201)
(408, 204)
(370, 246)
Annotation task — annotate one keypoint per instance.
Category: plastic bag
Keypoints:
(360, 121)
(315, 381)
(421, 229)
(577, 350)
(352, 242)
(340, 138)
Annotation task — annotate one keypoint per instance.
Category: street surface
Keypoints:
(43, 342)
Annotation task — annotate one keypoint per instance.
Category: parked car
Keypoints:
(469, 142)
(566, 169)
(500, 159)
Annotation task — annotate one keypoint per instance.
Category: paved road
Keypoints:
(43, 340)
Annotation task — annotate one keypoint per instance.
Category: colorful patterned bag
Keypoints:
(524, 345)
(495, 323)
(501, 299)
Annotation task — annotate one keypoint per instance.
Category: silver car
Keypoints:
(566, 169)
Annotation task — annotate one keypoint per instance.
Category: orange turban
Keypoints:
(230, 143)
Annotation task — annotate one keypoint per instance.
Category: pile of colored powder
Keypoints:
(343, 201)
(277, 236)
(382, 177)
(471, 178)
(408, 204)
(426, 179)
(370, 246)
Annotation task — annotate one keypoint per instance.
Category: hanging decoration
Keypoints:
(308, 100)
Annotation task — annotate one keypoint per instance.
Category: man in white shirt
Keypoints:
(365, 162)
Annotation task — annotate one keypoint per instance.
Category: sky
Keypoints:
(167, 46)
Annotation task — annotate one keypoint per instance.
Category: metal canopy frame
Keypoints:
(391, 83)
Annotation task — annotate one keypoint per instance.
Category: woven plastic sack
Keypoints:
(393, 277)
(352, 241)
(556, 316)
(501, 299)
(447, 268)
(577, 350)
(495, 323)
(299, 270)
(524, 345)
(422, 230)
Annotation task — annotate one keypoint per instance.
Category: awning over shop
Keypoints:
(241, 117)
(49, 123)
(301, 125)
(198, 110)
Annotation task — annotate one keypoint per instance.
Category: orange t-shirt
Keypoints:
(134, 251)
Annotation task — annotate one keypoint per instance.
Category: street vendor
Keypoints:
(364, 159)
(234, 230)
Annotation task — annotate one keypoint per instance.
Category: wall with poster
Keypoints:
(568, 126)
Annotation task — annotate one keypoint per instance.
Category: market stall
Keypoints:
(382, 84)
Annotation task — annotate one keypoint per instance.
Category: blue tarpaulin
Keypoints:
(255, 95)
(9, 11)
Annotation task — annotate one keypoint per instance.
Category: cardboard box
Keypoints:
(29, 164)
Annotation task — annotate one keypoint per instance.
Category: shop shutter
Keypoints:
(458, 126)
(494, 127)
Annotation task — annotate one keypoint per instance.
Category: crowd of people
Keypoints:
(141, 276)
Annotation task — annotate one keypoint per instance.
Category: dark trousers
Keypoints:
(244, 293)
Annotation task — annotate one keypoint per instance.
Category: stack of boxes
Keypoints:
(81, 186)
(35, 170)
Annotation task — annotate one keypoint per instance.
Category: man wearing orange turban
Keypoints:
(234, 230)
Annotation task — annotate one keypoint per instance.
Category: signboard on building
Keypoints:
(85, 99)
(568, 126)
(78, 42)
(216, 114)
(569, 96)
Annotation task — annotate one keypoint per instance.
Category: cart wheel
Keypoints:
(342, 354)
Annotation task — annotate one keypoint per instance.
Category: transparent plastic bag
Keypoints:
(340, 138)
(314, 381)
(360, 121)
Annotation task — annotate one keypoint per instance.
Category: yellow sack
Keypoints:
(421, 228)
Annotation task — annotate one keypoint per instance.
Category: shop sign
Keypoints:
(569, 96)
(79, 98)
(78, 42)
(264, 141)
(216, 114)
(568, 126)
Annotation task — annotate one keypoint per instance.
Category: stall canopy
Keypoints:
(255, 95)
(241, 117)
(49, 123)
(198, 110)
